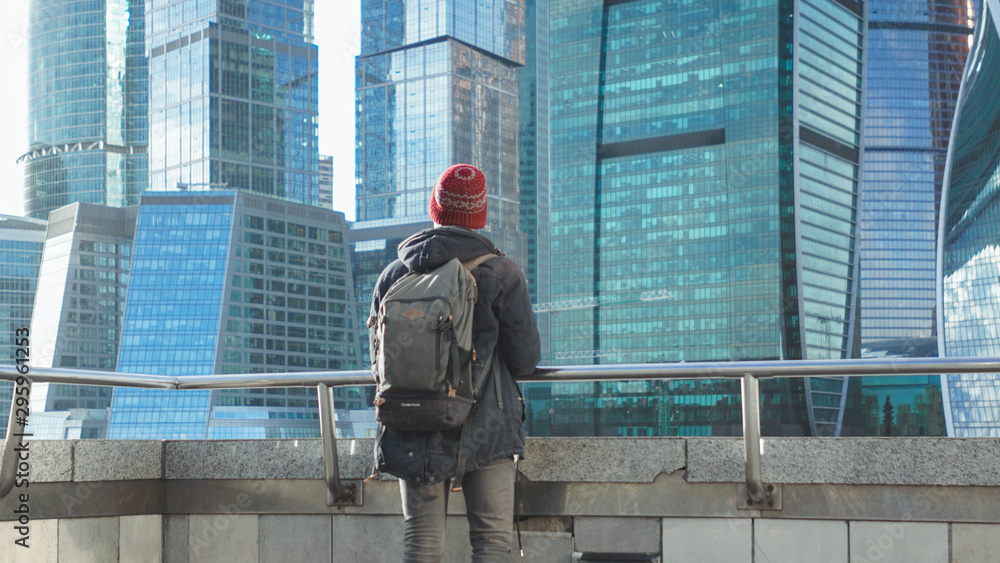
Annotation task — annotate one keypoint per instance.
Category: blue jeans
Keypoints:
(489, 502)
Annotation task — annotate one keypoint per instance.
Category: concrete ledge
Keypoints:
(614, 460)
(243, 459)
(608, 460)
(854, 461)
(264, 459)
(49, 461)
(116, 460)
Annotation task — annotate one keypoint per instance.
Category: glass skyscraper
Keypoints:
(87, 104)
(233, 97)
(21, 243)
(916, 53)
(77, 317)
(969, 252)
(81, 293)
(229, 282)
(533, 150)
(704, 181)
(437, 84)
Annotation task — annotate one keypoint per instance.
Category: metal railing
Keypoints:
(749, 374)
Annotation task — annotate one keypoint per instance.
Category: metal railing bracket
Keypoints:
(353, 494)
(771, 499)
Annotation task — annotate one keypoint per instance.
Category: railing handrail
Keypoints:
(680, 370)
(748, 372)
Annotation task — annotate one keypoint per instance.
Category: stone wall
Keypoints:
(849, 500)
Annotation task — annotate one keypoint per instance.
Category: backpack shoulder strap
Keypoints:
(471, 264)
(463, 444)
(486, 372)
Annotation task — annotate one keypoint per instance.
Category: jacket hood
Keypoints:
(431, 248)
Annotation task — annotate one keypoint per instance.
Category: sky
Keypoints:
(337, 25)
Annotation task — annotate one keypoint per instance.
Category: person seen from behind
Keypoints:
(504, 326)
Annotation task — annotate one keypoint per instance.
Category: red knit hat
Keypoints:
(459, 197)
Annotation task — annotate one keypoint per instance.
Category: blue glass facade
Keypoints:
(969, 257)
(87, 104)
(21, 243)
(171, 326)
(494, 26)
(704, 177)
(227, 282)
(916, 54)
(533, 85)
(233, 97)
(437, 84)
(178, 275)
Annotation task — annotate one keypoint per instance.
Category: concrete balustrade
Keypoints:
(673, 499)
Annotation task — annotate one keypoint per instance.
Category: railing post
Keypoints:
(337, 492)
(8, 463)
(755, 494)
(751, 438)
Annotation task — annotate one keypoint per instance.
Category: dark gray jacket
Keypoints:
(502, 319)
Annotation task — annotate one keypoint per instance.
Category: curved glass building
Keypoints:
(916, 54)
(87, 104)
(915, 57)
(969, 255)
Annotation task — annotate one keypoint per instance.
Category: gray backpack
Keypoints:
(423, 351)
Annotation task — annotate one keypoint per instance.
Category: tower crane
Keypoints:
(575, 354)
(588, 302)
(186, 186)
